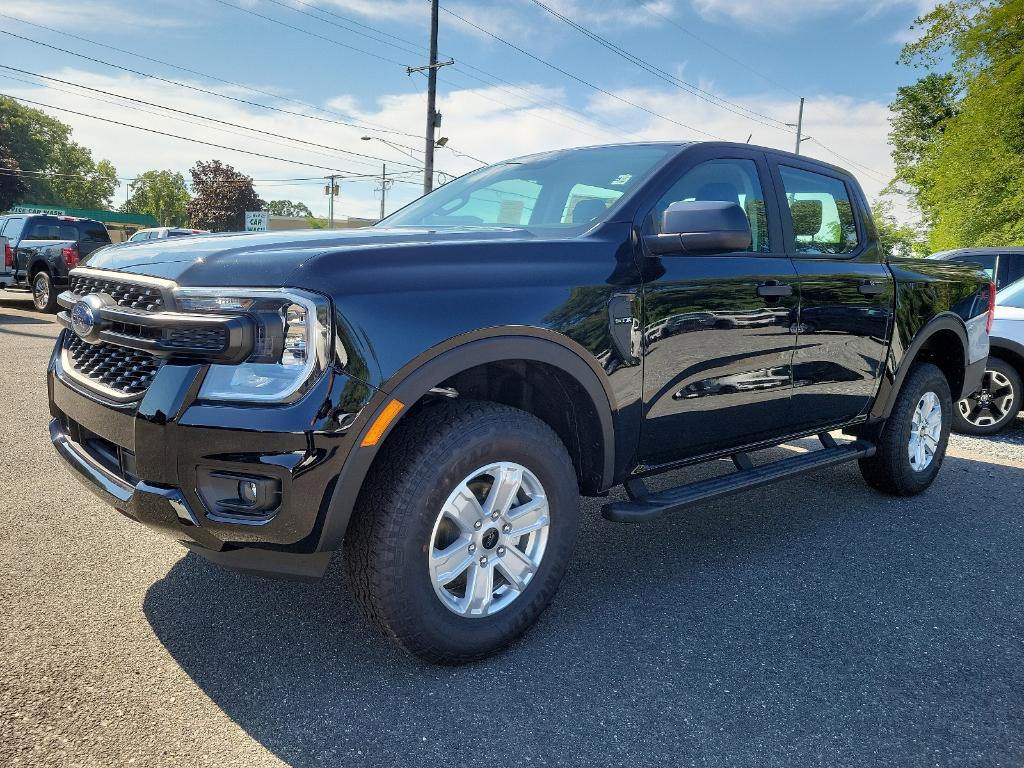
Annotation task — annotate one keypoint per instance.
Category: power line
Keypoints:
(306, 31)
(578, 79)
(208, 76)
(461, 64)
(182, 138)
(700, 93)
(650, 8)
(208, 92)
(201, 117)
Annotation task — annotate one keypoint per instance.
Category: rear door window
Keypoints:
(821, 212)
(13, 230)
(1011, 268)
(97, 233)
(987, 262)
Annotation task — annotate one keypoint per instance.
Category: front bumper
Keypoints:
(152, 460)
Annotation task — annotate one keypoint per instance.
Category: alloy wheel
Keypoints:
(925, 432)
(41, 291)
(991, 404)
(489, 538)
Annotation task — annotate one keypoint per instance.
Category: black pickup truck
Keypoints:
(41, 249)
(433, 394)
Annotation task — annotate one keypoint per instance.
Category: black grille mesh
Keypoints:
(213, 339)
(125, 294)
(124, 370)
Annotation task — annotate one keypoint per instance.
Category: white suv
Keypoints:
(995, 406)
(159, 233)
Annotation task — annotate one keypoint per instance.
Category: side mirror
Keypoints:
(701, 226)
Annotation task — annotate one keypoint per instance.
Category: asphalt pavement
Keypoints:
(812, 623)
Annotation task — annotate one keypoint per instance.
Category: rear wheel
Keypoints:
(913, 441)
(993, 407)
(464, 529)
(43, 295)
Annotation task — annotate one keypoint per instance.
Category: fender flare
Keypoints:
(416, 378)
(900, 361)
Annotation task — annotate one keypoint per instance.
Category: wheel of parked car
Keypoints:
(43, 295)
(913, 441)
(464, 530)
(993, 407)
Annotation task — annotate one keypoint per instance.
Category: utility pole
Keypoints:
(385, 185)
(331, 190)
(433, 116)
(799, 124)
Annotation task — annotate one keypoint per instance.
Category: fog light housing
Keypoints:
(238, 497)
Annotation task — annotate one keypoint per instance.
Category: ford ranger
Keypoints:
(432, 395)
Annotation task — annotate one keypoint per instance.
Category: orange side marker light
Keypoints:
(381, 423)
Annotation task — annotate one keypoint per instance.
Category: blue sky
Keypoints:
(743, 54)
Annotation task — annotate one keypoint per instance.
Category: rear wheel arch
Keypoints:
(475, 364)
(942, 342)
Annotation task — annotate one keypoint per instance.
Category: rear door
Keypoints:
(716, 328)
(846, 294)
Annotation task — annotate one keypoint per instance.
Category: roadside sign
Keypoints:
(37, 209)
(257, 221)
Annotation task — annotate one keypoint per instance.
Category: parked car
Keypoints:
(41, 249)
(995, 405)
(1004, 265)
(159, 233)
(434, 393)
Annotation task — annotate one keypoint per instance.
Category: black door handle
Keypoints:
(774, 291)
(870, 289)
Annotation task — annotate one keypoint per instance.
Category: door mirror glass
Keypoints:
(701, 226)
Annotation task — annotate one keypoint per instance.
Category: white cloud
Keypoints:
(477, 121)
(776, 13)
(94, 13)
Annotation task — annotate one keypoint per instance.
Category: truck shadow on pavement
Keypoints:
(813, 623)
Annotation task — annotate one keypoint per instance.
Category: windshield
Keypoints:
(557, 189)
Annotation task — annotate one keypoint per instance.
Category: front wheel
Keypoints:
(43, 295)
(464, 529)
(913, 441)
(993, 407)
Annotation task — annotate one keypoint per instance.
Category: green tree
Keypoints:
(58, 171)
(288, 208)
(967, 175)
(897, 240)
(222, 196)
(12, 183)
(162, 194)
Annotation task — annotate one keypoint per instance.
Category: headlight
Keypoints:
(291, 344)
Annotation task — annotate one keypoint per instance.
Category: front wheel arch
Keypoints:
(415, 380)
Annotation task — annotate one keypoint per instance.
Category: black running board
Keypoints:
(643, 506)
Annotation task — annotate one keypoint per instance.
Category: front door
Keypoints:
(846, 296)
(716, 328)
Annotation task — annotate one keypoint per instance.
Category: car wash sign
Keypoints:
(257, 221)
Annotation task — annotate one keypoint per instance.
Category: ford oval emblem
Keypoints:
(83, 319)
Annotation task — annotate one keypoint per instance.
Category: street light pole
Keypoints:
(433, 116)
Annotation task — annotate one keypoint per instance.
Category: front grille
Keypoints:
(213, 339)
(129, 295)
(125, 371)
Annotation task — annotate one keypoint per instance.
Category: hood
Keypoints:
(269, 258)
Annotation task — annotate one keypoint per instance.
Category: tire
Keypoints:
(993, 407)
(398, 527)
(44, 297)
(891, 469)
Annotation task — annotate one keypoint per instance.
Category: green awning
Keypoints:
(107, 217)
